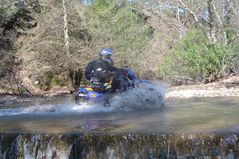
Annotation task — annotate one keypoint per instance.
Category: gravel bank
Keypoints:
(205, 90)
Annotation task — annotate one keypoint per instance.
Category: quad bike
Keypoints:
(121, 81)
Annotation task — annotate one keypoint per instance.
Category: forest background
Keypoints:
(46, 44)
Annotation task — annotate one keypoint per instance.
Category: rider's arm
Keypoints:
(101, 70)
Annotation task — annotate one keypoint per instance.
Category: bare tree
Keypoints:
(211, 22)
(220, 22)
(189, 10)
(179, 23)
(66, 36)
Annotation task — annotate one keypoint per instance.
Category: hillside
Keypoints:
(46, 44)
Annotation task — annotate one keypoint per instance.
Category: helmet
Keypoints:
(106, 51)
(105, 55)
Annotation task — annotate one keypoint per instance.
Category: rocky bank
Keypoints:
(225, 87)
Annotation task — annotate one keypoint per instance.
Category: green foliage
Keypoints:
(118, 27)
(50, 80)
(198, 59)
(6, 14)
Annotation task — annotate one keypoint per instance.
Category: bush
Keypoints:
(50, 80)
(196, 58)
(6, 14)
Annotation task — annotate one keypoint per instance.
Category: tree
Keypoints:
(120, 27)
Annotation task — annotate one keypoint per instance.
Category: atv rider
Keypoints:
(101, 71)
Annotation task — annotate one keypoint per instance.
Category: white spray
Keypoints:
(147, 96)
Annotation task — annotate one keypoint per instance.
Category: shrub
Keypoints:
(6, 14)
(50, 80)
(196, 58)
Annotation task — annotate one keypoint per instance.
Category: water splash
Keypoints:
(148, 96)
(43, 146)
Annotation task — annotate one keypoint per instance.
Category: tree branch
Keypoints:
(190, 11)
(220, 22)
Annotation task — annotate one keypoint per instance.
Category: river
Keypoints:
(61, 115)
(181, 128)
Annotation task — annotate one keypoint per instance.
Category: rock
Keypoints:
(27, 84)
(57, 90)
(232, 80)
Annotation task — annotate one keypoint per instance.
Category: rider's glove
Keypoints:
(107, 86)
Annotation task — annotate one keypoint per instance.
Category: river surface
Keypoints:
(61, 115)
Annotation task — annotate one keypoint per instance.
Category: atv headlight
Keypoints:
(81, 95)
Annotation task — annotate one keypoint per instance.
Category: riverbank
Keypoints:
(225, 87)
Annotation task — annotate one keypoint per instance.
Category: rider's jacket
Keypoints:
(102, 71)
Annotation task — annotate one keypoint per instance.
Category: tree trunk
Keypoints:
(66, 36)
(179, 24)
(212, 23)
(221, 23)
(67, 62)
